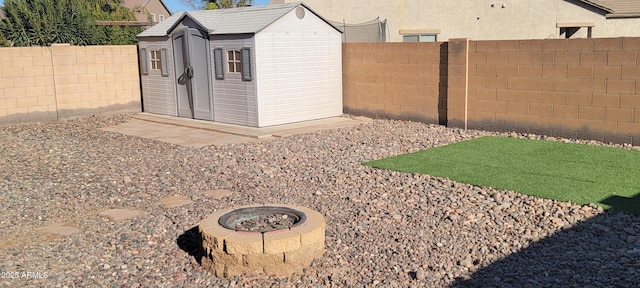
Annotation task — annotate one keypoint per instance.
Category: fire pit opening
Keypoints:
(261, 240)
(262, 219)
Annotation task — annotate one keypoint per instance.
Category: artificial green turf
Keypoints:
(578, 173)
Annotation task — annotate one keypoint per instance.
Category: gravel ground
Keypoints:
(384, 228)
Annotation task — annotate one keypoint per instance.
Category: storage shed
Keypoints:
(253, 66)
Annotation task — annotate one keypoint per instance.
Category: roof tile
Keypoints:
(614, 7)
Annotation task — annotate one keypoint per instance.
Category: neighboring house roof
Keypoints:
(133, 4)
(142, 9)
(141, 4)
(616, 8)
(244, 20)
(148, 10)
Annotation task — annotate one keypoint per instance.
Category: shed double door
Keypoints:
(190, 49)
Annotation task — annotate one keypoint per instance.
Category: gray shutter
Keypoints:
(246, 63)
(219, 65)
(144, 64)
(163, 63)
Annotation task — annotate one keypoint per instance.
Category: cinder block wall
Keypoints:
(395, 80)
(62, 81)
(578, 88)
(575, 88)
(26, 85)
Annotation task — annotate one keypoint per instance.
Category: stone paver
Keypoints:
(175, 201)
(217, 194)
(5, 243)
(116, 215)
(280, 241)
(58, 229)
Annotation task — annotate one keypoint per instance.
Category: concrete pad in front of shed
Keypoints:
(317, 125)
(198, 133)
(238, 130)
(116, 215)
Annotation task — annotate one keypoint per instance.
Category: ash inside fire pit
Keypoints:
(266, 223)
(262, 219)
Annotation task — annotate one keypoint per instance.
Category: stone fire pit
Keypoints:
(271, 239)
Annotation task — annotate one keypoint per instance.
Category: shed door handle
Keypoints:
(190, 72)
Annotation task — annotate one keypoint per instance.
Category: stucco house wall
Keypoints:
(146, 10)
(479, 19)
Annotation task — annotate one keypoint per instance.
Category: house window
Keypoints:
(575, 29)
(419, 35)
(161, 17)
(420, 38)
(152, 17)
(155, 59)
(235, 62)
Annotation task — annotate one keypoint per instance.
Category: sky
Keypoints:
(176, 6)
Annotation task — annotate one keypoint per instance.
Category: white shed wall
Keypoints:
(299, 70)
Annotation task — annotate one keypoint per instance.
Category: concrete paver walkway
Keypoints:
(198, 133)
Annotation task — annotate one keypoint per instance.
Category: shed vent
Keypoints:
(300, 12)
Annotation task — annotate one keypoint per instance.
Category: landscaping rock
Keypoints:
(420, 274)
(69, 171)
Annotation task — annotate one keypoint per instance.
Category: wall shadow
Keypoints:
(443, 84)
(65, 114)
(621, 203)
(191, 242)
(603, 251)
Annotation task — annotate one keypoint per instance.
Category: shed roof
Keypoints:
(616, 8)
(244, 20)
